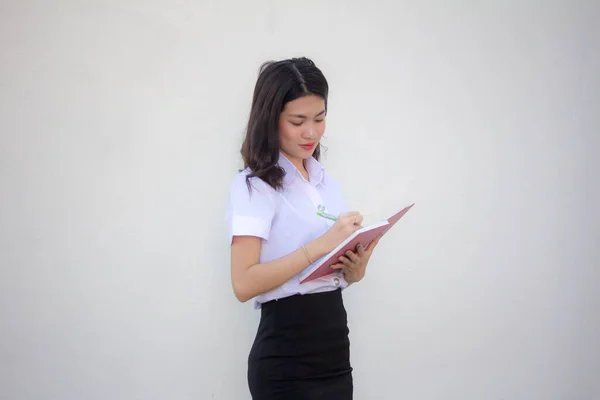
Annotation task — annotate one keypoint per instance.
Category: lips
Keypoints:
(308, 146)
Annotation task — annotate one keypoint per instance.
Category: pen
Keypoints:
(325, 215)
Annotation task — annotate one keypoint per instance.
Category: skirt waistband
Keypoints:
(305, 300)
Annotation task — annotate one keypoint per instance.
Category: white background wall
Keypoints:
(120, 125)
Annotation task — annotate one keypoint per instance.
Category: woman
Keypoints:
(301, 349)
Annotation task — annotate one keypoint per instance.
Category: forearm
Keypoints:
(260, 278)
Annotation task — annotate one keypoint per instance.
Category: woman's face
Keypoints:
(301, 125)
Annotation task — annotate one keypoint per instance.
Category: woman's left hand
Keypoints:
(354, 264)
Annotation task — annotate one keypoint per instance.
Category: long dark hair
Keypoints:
(279, 82)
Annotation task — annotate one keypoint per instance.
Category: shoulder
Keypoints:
(242, 185)
(252, 206)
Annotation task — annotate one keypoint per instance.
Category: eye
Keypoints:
(296, 123)
(319, 120)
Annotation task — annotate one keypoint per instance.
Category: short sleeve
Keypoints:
(250, 213)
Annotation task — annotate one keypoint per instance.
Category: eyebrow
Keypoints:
(304, 116)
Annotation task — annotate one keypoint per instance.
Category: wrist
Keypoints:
(317, 248)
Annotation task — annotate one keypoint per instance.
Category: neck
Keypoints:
(299, 164)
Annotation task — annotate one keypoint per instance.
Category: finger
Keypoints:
(356, 221)
(349, 214)
(374, 243)
(345, 261)
(338, 266)
(352, 216)
(352, 256)
(360, 250)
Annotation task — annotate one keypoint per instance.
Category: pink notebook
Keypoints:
(362, 236)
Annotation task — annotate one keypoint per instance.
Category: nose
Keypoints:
(310, 131)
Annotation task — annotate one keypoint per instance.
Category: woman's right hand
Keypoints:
(345, 225)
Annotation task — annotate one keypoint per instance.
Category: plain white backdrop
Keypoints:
(120, 127)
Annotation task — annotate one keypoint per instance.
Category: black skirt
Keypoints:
(302, 350)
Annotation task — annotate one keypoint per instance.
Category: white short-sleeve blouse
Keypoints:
(286, 219)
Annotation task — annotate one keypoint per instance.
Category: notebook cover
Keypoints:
(365, 238)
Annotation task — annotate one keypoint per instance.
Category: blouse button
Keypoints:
(336, 281)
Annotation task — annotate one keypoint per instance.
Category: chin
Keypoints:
(300, 154)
